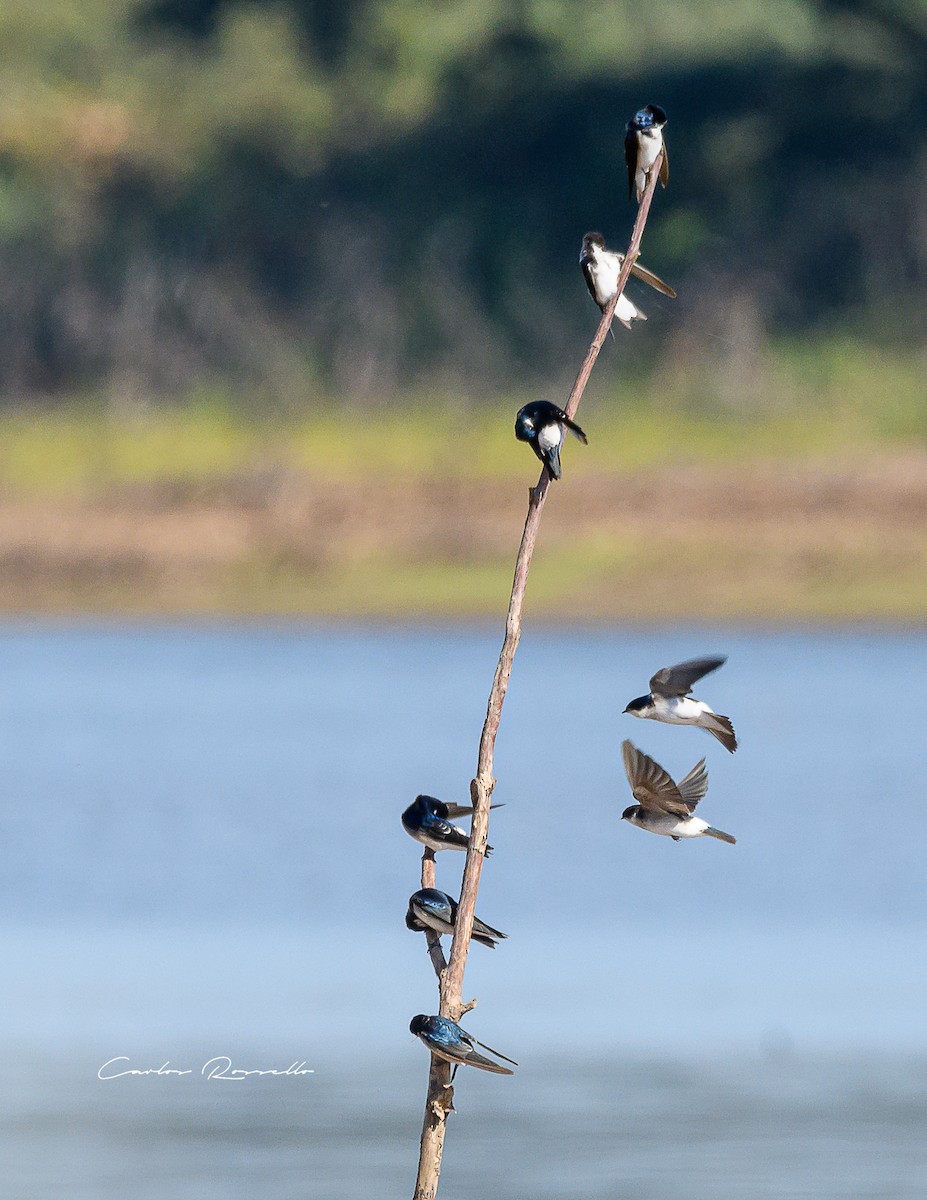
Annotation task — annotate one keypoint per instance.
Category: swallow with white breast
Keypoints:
(664, 807)
(542, 424)
(426, 820)
(669, 700)
(436, 910)
(643, 142)
(601, 268)
(450, 1041)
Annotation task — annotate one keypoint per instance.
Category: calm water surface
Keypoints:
(203, 857)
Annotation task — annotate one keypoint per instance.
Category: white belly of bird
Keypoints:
(605, 276)
(549, 436)
(681, 827)
(626, 310)
(681, 710)
(650, 146)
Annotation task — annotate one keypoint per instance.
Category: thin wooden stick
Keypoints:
(440, 1095)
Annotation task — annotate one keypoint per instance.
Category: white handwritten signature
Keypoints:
(216, 1068)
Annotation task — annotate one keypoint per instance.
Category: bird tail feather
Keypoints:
(723, 730)
(553, 462)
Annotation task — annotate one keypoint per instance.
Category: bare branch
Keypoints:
(481, 787)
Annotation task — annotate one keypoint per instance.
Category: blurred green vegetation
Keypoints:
(814, 404)
(812, 509)
(278, 200)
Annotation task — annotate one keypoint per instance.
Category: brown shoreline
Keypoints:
(772, 541)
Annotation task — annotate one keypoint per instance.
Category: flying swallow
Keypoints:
(643, 141)
(426, 819)
(450, 1041)
(541, 425)
(601, 268)
(431, 909)
(663, 806)
(669, 700)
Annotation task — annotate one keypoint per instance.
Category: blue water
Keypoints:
(202, 856)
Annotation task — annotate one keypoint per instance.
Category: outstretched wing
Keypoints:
(693, 786)
(679, 680)
(654, 280)
(651, 786)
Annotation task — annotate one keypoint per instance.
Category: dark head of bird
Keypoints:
(630, 812)
(593, 239)
(430, 804)
(653, 114)
(638, 705)
(524, 427)
(419, 1024)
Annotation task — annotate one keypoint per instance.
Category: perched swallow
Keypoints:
(663, 806)
(669, 700)
(541, 425)
(450, 1041)
(431, 909)
(601, 269)
(643, 141)
(426, 819)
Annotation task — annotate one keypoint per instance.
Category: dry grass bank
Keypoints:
(766, 540)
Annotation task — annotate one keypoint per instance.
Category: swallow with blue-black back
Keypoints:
(601, 268)
(669, 700)
(432, 909)
(450, 1041)
(426, 820)
(542, 424)
(643, 141)
(663, 806)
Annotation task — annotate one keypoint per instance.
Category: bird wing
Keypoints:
(459, 810)
(679, 680)
(439, 906)
(473, 1058)
(444, 829)
(487, 930)
(412, 921)
(587, 275)
(464, 810)
(651, 786)
(557, 414)
(654, 280)
(664, 165)
(630, 156)
(497, 1053)
(693, 786)
(576, 431)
